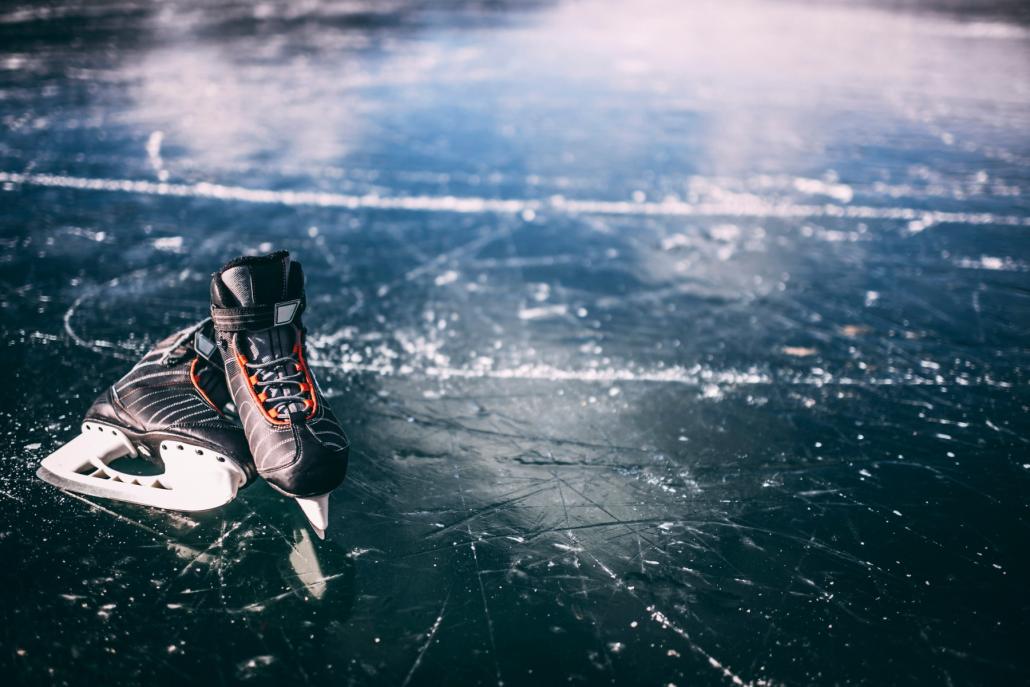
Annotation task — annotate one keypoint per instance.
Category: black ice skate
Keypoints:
(297, 443)
(171, 409)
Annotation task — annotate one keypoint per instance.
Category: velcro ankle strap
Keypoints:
(256, 318)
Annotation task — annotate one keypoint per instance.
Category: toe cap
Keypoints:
(316, 467)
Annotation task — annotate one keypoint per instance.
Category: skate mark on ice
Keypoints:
(202, 556)
(429, 640)
(660, 618)
(653, 613)
(666, 623)
(99, 345)
(486, 606)
(473, 514)
(261, 605)
(479, 579)
(12, 496)
(119, 516)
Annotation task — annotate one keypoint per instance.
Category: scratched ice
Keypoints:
(678, 344)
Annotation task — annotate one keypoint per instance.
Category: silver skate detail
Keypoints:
(285, 311)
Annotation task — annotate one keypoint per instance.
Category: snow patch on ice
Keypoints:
(542, 312)
(816, 187)
(448, 277)
(992, 263)
(170, 244)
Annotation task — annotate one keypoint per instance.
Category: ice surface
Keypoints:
(677, 344)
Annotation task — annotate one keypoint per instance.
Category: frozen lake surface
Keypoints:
(678, 343)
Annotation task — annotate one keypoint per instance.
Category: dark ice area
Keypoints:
(678, 343)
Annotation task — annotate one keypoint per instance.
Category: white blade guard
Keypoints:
(194, 479)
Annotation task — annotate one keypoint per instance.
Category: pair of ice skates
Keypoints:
(218, 404)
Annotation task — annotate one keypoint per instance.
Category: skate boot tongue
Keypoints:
(265, 282)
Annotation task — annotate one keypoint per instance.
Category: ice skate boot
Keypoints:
(298, 445)
(171, 409)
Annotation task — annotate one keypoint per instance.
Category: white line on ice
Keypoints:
(748, 206)
(705, 378)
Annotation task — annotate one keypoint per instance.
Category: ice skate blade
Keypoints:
(316, 509)
(195, 478)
